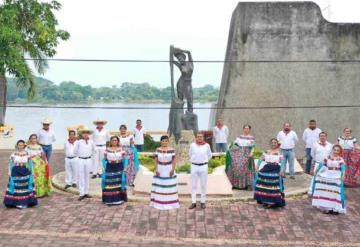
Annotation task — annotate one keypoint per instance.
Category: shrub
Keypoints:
(257, 153)
(149, 144)
(185, 168)
(148, 162)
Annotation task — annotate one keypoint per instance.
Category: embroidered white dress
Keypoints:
(164, 194)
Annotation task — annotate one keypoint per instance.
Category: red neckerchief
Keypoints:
(86, 140)
(200, 143)
(99, 128)
(219, 125)
(71, 141)
(138, 127)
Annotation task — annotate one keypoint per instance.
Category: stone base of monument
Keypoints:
(218, 184)
(182, 147)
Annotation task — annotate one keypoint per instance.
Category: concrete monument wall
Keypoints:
(293, 31)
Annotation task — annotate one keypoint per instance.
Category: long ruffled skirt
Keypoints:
(114, 184)
(42, 178)
(20, 190)
(352, 161)
(269, 188)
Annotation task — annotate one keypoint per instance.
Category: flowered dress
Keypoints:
(269, 187)
(240, 164)
(352, 160)
(328, 189)
(164, 194)
(20, 190)
(113, 181)
(41, 167)
(131, 152)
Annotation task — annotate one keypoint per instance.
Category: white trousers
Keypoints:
(71, 170)
(84, 166)
(196, 173)
(97, 159)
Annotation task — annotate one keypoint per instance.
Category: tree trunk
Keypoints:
(3, 91)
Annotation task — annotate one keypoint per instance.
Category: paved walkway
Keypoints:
(61, 220)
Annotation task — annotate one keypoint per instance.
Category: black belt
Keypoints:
(85, 158)
(43, 145)
(200, 164)
(71, 157)
(100, 145)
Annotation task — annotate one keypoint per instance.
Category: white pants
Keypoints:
(71, 170)
(202, 173)
(97, 159)
(84, 166)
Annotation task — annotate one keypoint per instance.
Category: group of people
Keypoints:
(114, 159)
(333, 166)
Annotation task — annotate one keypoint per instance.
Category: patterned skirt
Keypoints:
(114, 184)
(352, 161)
(240, 172)
(164, 194)
(328, 191)
(20, 188)
(42, 177)
(132, 166)
(269, 188)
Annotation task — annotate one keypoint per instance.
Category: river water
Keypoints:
(27, 120)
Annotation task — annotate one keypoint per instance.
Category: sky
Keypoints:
(144, 29)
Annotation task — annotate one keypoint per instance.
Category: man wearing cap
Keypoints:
(46, 138)
(99, 137)
(84, 150)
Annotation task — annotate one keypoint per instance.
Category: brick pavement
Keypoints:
(61, 220)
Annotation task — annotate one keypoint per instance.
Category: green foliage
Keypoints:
(257, 153)
(148, 162)
(149, 144)
(185, 168)
(216, 162)
(28, 28)
(71, 92)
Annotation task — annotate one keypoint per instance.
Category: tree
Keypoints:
(28, 29)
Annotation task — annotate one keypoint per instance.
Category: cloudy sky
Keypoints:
(144, 29)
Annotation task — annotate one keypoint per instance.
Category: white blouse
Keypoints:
(165, 156)
(272, 157)
(114, 155)
(126, 141)
(346, 143)
(245, 141)
(18, 158)
(34, 150)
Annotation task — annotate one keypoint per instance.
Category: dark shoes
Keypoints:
(292, 177)
(67, 186)
(94, 176)
(84, 196)
(74, 185)
(192, 206)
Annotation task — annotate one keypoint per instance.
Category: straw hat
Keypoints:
(85, 129)
(100, 121)
(46, 121)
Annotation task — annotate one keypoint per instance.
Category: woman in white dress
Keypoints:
(328, 192)
(164, 194)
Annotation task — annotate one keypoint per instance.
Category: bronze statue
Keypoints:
(177, 119)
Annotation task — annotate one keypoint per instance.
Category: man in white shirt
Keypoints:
(288, 138)
(84, 150)
(221, 134)
(139, 136)
(71, 161)
(99, 137)
(200, 154)
(310, 136)
(46, 138)
(321, 149)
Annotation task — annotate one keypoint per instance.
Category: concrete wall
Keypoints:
(289, 31)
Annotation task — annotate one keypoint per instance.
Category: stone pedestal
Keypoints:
(182, 147)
